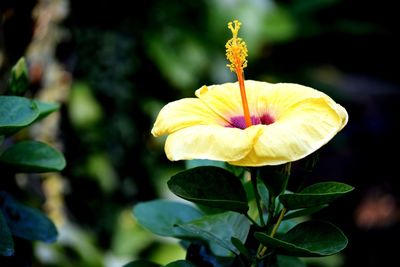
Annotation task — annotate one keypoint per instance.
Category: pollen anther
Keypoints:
(236, 49)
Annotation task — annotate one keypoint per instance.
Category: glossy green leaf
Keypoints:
(46, 108)
(219, 229)
(141, 263)
(315, 195)
(180, 263)
(33, 156)
(16, 113)
(264, 194)
(19, 79)
(6, 240)
(241, 247)
(288, 261)
(286, 225)
(210, 186)
(303, 212)
(189, 164)
(209, 210)
(161, 216)
(308, 239)
(26, 222)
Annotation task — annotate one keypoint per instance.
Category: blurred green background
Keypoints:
(114, 64)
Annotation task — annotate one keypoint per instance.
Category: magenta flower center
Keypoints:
(239, 121)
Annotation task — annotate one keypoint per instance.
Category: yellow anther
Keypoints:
(236, 53)
(236, 49)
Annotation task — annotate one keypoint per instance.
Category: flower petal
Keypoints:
(343, 114)
(276, 99)
(211, 142)
(299, 131)
(184, 113)
(223, 99)
(263, 98)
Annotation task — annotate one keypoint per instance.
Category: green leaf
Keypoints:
(303, 212)
(33, 156)
(241, 247)
(46, 108)
(210, 186)
(26, 222)
(308, 239)
(160, 216)
(141, 263)
(219, 229)
(16, 113)
(315, 195)
(286, 225)
(264, 194)
(6, 240)
(180, 263)
(288, 261)
(189, 164)
(209, 210)
(19, 78)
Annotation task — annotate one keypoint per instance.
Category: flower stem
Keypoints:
(253, 177)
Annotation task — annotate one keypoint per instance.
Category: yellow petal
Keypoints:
(184, 113)
(276, 99)
(210, 142)
(300, 130)
(262, 97)
(223, 99)
(343, 114)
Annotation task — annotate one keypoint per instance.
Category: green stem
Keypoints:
(253, 173)
(263, 249)
(276, 226)
(261, 253)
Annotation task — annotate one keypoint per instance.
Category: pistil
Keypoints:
(236, 53)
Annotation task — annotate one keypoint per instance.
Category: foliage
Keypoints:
(231, 236)
(23, 156)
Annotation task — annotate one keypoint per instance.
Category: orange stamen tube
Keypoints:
(236, 53)
(245, 105)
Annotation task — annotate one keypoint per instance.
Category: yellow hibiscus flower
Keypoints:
(289, 122)
(249, 123)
